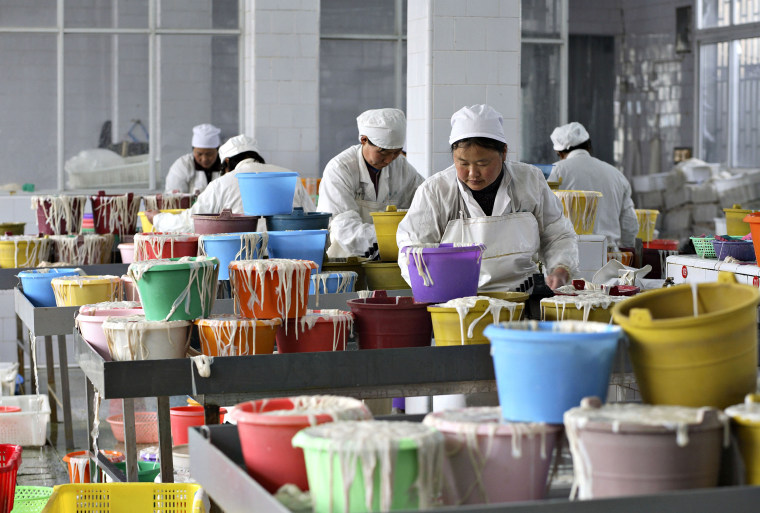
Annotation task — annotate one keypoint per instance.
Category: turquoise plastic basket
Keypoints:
(703, 246)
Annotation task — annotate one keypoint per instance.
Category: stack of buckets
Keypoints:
(386, 274)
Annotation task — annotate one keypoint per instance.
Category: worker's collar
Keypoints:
(575, 153)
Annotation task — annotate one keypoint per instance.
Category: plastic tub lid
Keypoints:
(485, 420)
(229, 319)
(367, 435)
(97, 308)
(45, 272)
(87, 279)
(139, 321)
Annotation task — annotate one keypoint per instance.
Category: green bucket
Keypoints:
(146, 470)
(329, 448)
(176, 289)
(13, 228)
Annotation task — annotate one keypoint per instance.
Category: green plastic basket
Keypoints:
(704, 247)
(31, 499)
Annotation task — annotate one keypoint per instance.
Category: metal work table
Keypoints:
(222, 474)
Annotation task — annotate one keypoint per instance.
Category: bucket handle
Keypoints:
(390, 208)
(640, 317)
(727, 277)
(379, 293)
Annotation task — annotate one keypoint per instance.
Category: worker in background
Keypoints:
(482, 198)
(195, 170)
(579, 171)
(366, 178)
(240, 154)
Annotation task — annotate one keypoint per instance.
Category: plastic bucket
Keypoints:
(401, 460)
(146, 427)
(266, 194)
(745, 424)
(90, 325)
(332, 283)
(736, 221)
(707, 359)
(132, 338)
(86, 290)
(444, 272)
(146, 226)
(149, 246)
(647, 220)
(232, 246)
(174, 201)
(265, 436)
(115, 213)
(354, 264)
(384, 276)
(23, 251)
(624, 257)
(462, 321)
(318, 330)
(580, 207)
(545, 368)
(59, 215)
(384, 322)
(271, 289)
(84, 249)
(585, 307)
(130, 291)
(78, 464)
(12, 228)
(224, 222)
(36, 284)
(174, 290)
(667, 244)
(229, 335)
(146, 470)
(299, 220)
(127, 251)
(298, 245)
(184, 417)
(637, 449)
(753, 220)
(489, 461)
(386, 224)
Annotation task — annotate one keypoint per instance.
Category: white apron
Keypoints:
(511, 240)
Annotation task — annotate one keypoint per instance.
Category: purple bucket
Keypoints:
(452, 271)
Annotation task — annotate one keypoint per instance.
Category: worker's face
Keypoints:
(205, 157)
(377, 157)
(478, 167)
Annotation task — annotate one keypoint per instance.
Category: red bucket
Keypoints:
(184, 417)
(318, 330)
(59, 215)
(384, 322)
(156, 245)
(115, 213)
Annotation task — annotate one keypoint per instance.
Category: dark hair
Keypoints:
(240, 157)
(585, 145)
(483, 142)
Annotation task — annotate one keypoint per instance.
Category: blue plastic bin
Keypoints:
(266, 194)
(231, 246)
(299, 245)
(545, 368)
(36, 283)
(299, 220)
(333, 283)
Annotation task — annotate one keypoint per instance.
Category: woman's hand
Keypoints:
(558, 277)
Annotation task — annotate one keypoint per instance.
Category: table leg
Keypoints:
(165, 440)
(20, 350)
(130, 439)
(90, 399)
(63, 361)
(50, 366)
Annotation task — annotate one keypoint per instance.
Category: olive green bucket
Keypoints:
(12, 228)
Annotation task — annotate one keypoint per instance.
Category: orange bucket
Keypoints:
(753, 220)
(78, 464)
(230, 335)
(274, 288)
(184, 417)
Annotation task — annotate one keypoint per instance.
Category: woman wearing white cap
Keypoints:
(196, 169)
(482, 198)
(240, 154)
(579, 171)
(366, 178)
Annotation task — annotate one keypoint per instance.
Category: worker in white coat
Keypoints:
(366, 178)
(196, 169)
(484, 199)
(241, 155)
(579, 171)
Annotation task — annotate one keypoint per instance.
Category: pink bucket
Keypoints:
(443, 272)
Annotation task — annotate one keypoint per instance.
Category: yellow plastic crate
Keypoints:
(127, 498)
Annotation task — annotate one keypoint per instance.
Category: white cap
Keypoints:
(477, 121)
(237, 145)
(206, 136)
(385, 128)
(566, 136)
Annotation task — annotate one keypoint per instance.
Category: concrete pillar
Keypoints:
(459, 53)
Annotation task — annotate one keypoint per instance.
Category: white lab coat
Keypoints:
(615, 215)
(347, 192)
(183, 176)
(437, 202)
(224, 193)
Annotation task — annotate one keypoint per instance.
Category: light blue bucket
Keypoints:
(266, 194)
(36, 283)
(545, 368)
(298, 245)
(233, 246)
(332, 283)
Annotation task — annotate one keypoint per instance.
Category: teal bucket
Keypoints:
(545, 368)
(266, 194)
(176, 289)
(36, 284)
(299, 245)
(233, 246)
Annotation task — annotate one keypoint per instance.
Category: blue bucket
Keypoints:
(266, 194)
(332, 283)
(545, 368)
(232, 246)
(546, 169)
(37, 287)
(299, 220)
(299, 245)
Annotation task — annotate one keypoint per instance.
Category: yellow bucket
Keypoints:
(386, 224)
(579, 308)
(647, 220)
(147, 227)
(745, 421)
(735, 224)
(450, 329)
(681, 359)
(384, 276)
(23, 251)
(86, 290)
(508, 295)
(580, 207)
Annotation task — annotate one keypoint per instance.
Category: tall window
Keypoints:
(729, 81)
(131, 76)
(362, 59)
